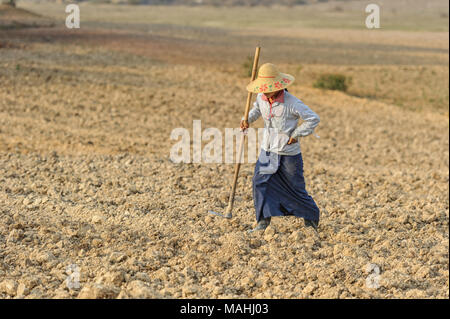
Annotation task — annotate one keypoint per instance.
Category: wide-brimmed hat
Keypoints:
(269, 80)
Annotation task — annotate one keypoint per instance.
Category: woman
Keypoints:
(278, 182)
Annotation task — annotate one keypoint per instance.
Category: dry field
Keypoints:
(86, 179)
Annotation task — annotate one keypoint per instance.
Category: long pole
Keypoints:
(228, 212)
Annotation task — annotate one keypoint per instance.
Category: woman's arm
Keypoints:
(253, 115)
(311, 120)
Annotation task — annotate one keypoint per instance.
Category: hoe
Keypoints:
(228, 212)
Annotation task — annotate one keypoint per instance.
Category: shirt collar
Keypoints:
(278, 98)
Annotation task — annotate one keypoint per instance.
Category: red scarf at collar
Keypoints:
(278, 98)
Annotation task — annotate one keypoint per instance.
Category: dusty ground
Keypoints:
(85, 179)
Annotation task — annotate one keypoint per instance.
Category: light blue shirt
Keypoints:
(282, 123)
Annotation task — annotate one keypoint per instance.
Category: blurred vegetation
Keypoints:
(333, 82)
(248, 66)
(208, 2)
(10, 2)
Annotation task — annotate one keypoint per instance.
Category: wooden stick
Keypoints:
(228, 212)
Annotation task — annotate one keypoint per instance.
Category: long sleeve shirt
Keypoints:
(281, 122)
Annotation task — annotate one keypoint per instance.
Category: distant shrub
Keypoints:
(9, 2)
(333, 82)
(248, 66)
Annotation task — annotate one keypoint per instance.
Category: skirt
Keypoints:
(279, 188)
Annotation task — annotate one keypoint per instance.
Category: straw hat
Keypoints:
(269, 80)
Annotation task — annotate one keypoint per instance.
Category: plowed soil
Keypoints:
(86, 180)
